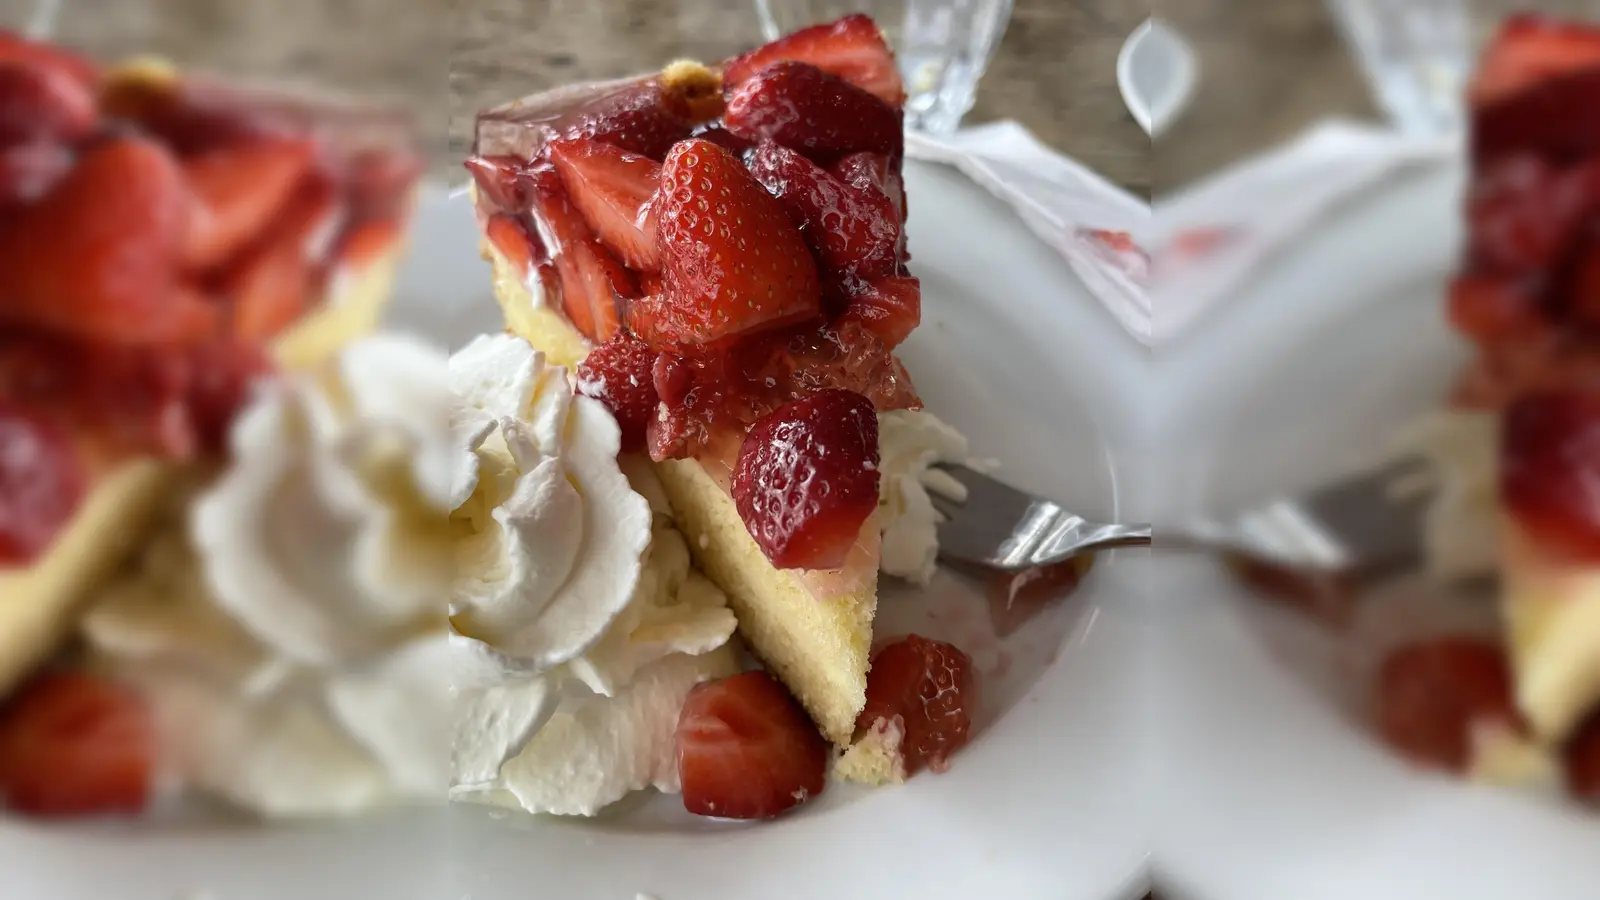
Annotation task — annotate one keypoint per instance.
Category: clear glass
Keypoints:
(1417, 55)
(943, 46)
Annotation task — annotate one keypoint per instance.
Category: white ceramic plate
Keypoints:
(1046, 802)
(1272, 785)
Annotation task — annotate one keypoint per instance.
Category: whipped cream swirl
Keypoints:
(578, 622)
(910, 444)
(291, 640)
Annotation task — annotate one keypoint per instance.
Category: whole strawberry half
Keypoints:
(746, 750)
(852, 48)
(930, 687)
(807, 479)
(801, 106)
(732, 262)
(853, 229)
(621, 374)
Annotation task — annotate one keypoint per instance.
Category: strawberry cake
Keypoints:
(718, 255)
(166, 242)
(1516, 457)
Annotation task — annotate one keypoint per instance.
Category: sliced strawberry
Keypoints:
(28, 171)
(889, 306)
(1550, 458)
(513, 240)
(72, 744)
(1530, 49)
(800, 106)
(612, 189)
(501, 181)
(620, 374)
(96, 256)
(14, 48)
(863, 170)
(270, 286)
(853, 230)
(41, 483)
(1522, 212)
(746, 750)
(1486, 307)
(238, 190)
(593, 282)
(193, 120)
(732, 262)
(852, 48)
(1431, 694)
(931, 687)
(43, 104)
(369, 242)
(634, 119)
(807, 479)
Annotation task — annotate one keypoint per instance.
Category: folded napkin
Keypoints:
(1094, 225)
(1207, 240)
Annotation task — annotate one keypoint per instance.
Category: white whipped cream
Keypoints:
(291, 642)
(579, 626)
(910, 443)
(1461, 523)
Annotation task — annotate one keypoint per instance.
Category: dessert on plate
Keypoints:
(1515, 455)
(168, 243)
(716, 256)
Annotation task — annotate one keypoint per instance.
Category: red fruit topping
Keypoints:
(732, 262)
(807, 478)
(72, 744)
(238, 191)
(1540, 119)
(15, 48)
(863, 170)
(930, 685)
(29, 171)
(513, 240)
(223, 378)
(853, 230)
(593, 282)
(96, 256)
(620, 374)
(612, 188)
(635, 119)
(1522, 212)
(1431, 694)
(43, 104)
(1531, 49)
(41, 482)
(501, 181)
(800, 106)
(746, 750)
(380, 183)
(1016, 599)
(271, 285)
(852, 48)
(1549, 462)
(889, 306)
(1487, 307)
(372, 240)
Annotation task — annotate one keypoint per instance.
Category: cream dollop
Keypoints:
(910, 444)
(578, 623)
(1461, 522)
(291, 641)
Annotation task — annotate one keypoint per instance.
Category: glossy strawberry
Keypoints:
(802, 107)
(889, 306)
(732, 262)
(864, 170)
(270, 286)
(612, 188)
(746, 750)
(224, 376)
(14, 48)
(380, 183)
(193, 119)
(852, 48)
(28, 171)
(634, 119)
(620, 374)
(1488, 307)
(1532, 49)
(97, 256)
(514, 241)
(1545, 118)
(72, 744)
(1549, 460)
(594, 284)
(41, 483)
(931, 688)
(1431, 694)
(807, 479)
(501, 182)
(1523, 212)
(852, 230)
(238, 190)
(43, 104)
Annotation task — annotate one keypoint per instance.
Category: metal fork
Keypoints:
(999, 527)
